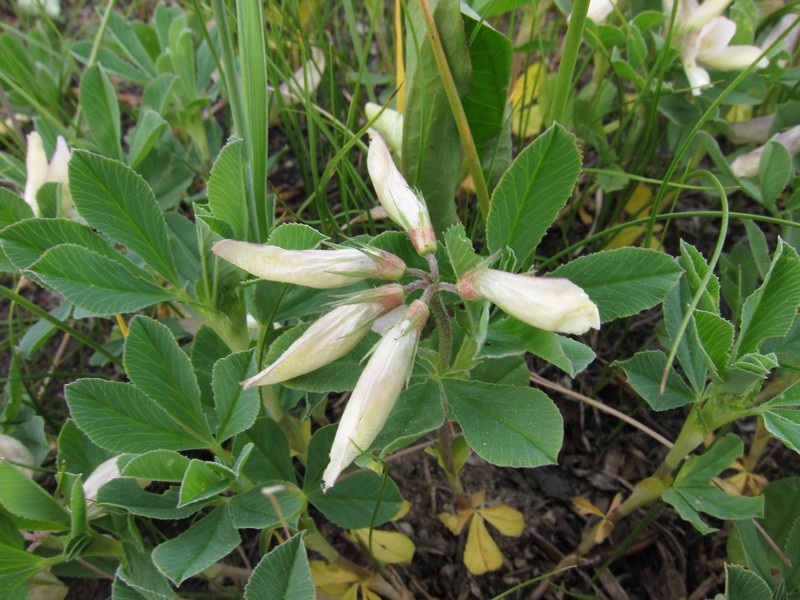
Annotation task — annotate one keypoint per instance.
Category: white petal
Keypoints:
(715, 37)
(707, 11)
(736, 58)
(599, 10)
(549, 303)
(376, 392)
(312, 268)
(330, 337)
(389, 125)
(698, 77)
(36, 165)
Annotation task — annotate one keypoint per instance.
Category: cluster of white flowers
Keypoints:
(546, 303)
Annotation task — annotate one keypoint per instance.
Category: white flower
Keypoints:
(376, 392)
(707, 42)
(747, 165)
(104, 473)
(403, 205)
(321, 269)
(39, 172)
(52, 8)
(599, 10)
(14, 451)
(305, 79)
(549, 303)
(389, 124)
(331, 336)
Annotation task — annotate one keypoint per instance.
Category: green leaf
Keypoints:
(227, 194)
(254, 510)
(431, 145)
(17, 567)
(509, 370)
(716, 337)
(77, 452)
(774, 172)
(119, 417)
(623, 282)
(145, 135)
(129, 43)
(693, 492)
(126, 494)
(283, 573)
(117, 201)
(26, 241)
(784, 424)
(741, 584)
(690, 351)
(237, 409)
(100, 109)
(200, 546)
(506, 425)
(417, 411)
(12, 208)
(295, 236)
(24, 498)
(485, 105)
(204, 480)
(644, 371)
(459, 250)
(157, 366)
(569, 355)
(770, 310)
(138, 573)
(157, 465)
(271, 458)
(99, 285)
(354, 499)
(531, 193)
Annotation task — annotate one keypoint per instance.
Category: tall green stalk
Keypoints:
(569, 57)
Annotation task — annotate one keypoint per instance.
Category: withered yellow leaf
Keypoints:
(455, 522)
(481, 554)
(508, 521)
(584, 506)
(332, 579)
(387, 546)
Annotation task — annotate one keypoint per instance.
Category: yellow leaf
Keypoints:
(526, 121)
(505, 519)
(368, 594)
(481, 555)
(604, 529)
(629, 235)
(476, 499)
(387, 546)
(404, 508)
(739, 113)
(351, 593)
(526, 87)
(332, 579)
(455, 522)
(585, 507)
(638, 202)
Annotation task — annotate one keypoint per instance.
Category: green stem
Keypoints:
(464, 132)
(569, 57)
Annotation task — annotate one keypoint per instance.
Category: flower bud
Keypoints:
(389, 124)
(103, 474)
(14, 451)
(331, 336)
(403, 205)
(41, 172)
(321, 269)
(376, 392)
(747, 165)
(549, 303)
(305, 80)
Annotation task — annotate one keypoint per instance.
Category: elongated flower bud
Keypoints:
(389, 124)
(321, 269)
(376, 392)
(36, 166)
(549, 303)
(330, 337)
(747, 165)
(402, 204)
(305, 80)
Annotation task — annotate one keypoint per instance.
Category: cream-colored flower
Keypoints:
(549, 303)
(52, 8)
(305, 80)
(747, 165)
(599, 10)
(707, 42)
(376, 392)
(403, 205)
(320, 269)
(330, 337)
(389, 124)
(39, 172)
